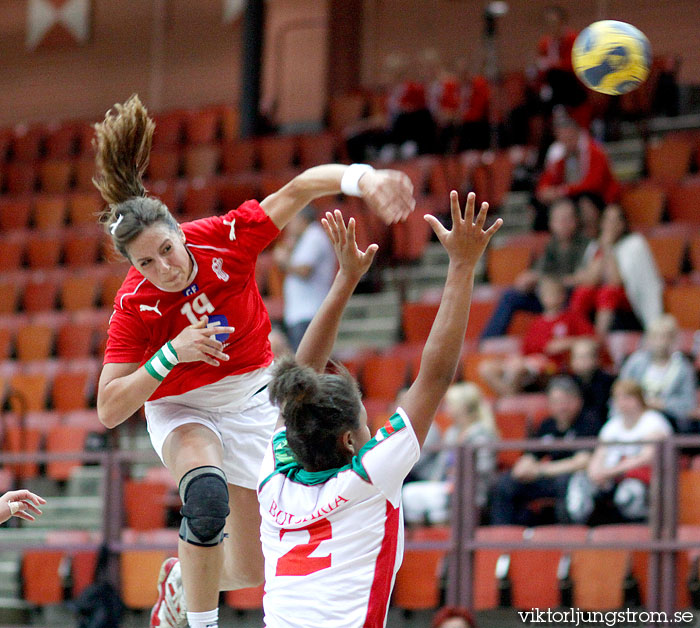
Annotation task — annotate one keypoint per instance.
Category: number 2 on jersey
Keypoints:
(297, 561)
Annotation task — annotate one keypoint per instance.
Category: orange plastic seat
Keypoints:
(12, 248)
(317, 149)
(277, 152)
(84, 172)
(247, 599)
(55, 175)
(22, 440)
(44, 249)
(484, 573)
(81, 248)
(110, 286)
(164, 163)
(28, 143)
(200, 199)
(684, 201)
(144, 503)
(202, 126)
(668, 251)
(64, 438)
(14, 213)
(689, 497)
(533, 573)
(28, 392)
(683, 302)
(82, 562)
(417, 319)
(230, 122)
(684, 561)
(9, 292)
(411, 236)
(39, 294)
(62, 141)
(20, 177)
(34, 342)
(417, 585)
(695, 253)
(643, 204)
(41, 578)
(6, 342)
(71, 390)
(168, 128)
(383, 376)
(233, 193)
(79, 292)
(511, 426)
(201, 160)
(239, 156)
(668, 161)
(138, 571)
(83, 207)
(49, 211)
(504, 264)
(75, 340)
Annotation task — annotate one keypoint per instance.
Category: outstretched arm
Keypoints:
(465, 244)
(388, 193)
(316, 345)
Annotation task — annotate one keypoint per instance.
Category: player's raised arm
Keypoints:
(464, 243)
(316, 345)
(388, 193)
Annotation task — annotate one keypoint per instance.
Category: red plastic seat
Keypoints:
(511, 426)
(277, 152)
(71, 390)
(64, 438)
(139, 569)
(484, 574)
(240, 156)
(28, 392)
(41, 577)
(144, 503)
(200, 199)
(84, 172)
(230, 122)
(20, 177)
(317, 149)
(383, 376)
(684, 201)
(39, 294)
(504, 264)
(164, 163)
(56, 175)
(61, 141)
(14, 213)
(684, 303)
(168, 128)
(79, 292)
(643, 204)
(668, 252)
(668, 160)
(233, 193)
(75, 340)
(81, 246)
(82, 562)
(201, 160)
(411, 236)
(34, 342)
(12, 248)
(202, 126)
(22, 440)
(83, 207)
(28, 142)
(44, 249)
(49, 211)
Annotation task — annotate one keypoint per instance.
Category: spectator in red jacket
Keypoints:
(474, 106)
(546, 345)
(575, 164)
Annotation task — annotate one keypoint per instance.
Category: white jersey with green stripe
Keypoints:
(333, 540)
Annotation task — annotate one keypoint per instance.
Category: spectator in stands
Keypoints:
(561, 259)
(453, 617)
(444, 99)
(306, 257)
(665, 374)
(620, 473)
(575, 164)
(620, 276)
(474, 109)
(558, 83)
(428, 500)
(590, 207)
(546, 474)
(22, 504)
(546, 345)
(595, 383)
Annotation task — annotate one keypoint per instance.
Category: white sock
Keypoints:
(206, 619)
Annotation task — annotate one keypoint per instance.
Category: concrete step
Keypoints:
(10, 577)
(16, 536)
(85, 482)
(368, 332)
(65, 513)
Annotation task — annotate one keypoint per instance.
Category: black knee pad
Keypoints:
(204, 495)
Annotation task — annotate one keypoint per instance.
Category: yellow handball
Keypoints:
(611, 57)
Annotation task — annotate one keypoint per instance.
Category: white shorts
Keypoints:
(237, 409)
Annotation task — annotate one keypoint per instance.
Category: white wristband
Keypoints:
(349, 182)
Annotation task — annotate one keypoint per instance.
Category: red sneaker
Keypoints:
(169, 611)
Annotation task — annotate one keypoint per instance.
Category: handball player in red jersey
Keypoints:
(188, 339)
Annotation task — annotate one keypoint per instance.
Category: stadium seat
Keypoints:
(9, 289)
(85, 134)
(668, 251)
(695, 253)
(317, 149)
(34, 342)
(20, 178)
(79, 291)
(14, 213)
(61, 141)
(49, 211)
(64, 438)
(144, 504)
(12, 248)
(82, 562)
(230, 122)
(75, 340)
(138, 571)
(232, 193)
(247, 599)
(39, 294)
(41, 576)
(534, 573)
(201, 198)
(504, 264)
(164, 164)
(110, 287)
(168, 128)
(685, 560)
(668, 160)
(28, 142)
(202, 125)
(44, 249)
(485, 582)
(383, 376)
(411, 236)
(240, 156)
(417, 319)
(643, 204)
(25, 440)
(201, 160)
(6, 342)
(684, 201)
(81, 246)
(683, 301)
(84, 172)
(689, 497)
(511, 426)
(55, 175)
(71, 390)
(277, 152)
(534, 405)
(28, 392)
(83, 207)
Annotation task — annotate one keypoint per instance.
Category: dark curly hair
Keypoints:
(317, 409)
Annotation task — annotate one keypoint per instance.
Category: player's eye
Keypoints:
(145, 263)
(167, 248)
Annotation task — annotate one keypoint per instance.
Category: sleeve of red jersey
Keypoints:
(247, 228)
(388, 457)
(127, 339)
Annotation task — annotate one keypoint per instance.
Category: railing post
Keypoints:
(656, 499)
(113, 496)
(469, 524)
(454, 566)
(669, 528)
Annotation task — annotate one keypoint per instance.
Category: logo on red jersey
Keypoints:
(217, 265)
(232, 233)
(151, 308)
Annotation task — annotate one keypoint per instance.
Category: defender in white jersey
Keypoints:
(329, 493)
(189, 340)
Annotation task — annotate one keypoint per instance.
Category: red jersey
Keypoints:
(543, 329)
(224, 250)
